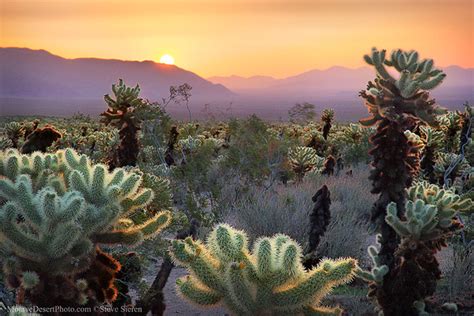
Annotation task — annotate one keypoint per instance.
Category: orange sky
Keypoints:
(242, 37)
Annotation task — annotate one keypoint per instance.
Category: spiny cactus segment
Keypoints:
(393, 98)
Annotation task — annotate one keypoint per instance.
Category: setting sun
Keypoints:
(167, 59)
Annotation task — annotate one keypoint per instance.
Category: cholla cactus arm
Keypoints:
(410, 90)
(270, 279)
(378, 271)
(377, 59)
(431, 137)
(447, 201)
(124, 97)
(421, 220)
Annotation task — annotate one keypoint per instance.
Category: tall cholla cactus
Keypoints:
(122, 113)
(394, 103)
(327, 117)
(270, 280)
(430, 218)
(56, 209)
(303, 159)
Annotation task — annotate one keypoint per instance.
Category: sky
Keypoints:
(242, 37)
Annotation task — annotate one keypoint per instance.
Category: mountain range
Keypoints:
(38, 82)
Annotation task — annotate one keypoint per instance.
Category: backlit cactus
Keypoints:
(327, 117)
(378, 270)
(303, 159)
(393, 98)
(451, 125)
(123, 112)
(432, 140)
(430, 218)
(268, 280)
(56, 208)
(396, 105)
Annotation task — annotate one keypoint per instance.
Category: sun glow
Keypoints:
(167, 59)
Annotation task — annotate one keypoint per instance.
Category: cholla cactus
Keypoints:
(430, 218)
(13, 130)
(56, 208)
(189, 144)
(378, 271)
(124, 113)
(327, 117)
(451, 125)
(269, 280)
(125, 97)
(432, 140)
(5, 143)
(416, 146)
(395, 105)
(394, 98)
(303, 159)
(421, 220)
(446, 200)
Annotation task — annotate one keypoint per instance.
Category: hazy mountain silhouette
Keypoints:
(40, 75)
(35, 82)
(340, 82)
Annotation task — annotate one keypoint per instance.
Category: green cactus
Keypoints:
(14, 130)
(56, 208)
(396, 105)
(451, 125)
(5, 143)
(303, 159)
(270, 280)
(446, 200)
(432, 140)
(327, 117)
(430, 218)
(394, 98)
(378, 271)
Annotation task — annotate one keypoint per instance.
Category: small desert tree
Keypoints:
(302, 113)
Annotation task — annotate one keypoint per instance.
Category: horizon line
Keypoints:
(208, 77)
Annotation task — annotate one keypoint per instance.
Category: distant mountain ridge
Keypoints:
(36, 82)
(340, 81)
(39, 74)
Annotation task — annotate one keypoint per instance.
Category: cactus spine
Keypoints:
(269, 280)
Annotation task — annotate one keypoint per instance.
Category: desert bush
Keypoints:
(253, 150)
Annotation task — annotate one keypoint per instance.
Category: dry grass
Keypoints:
(285, 209)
